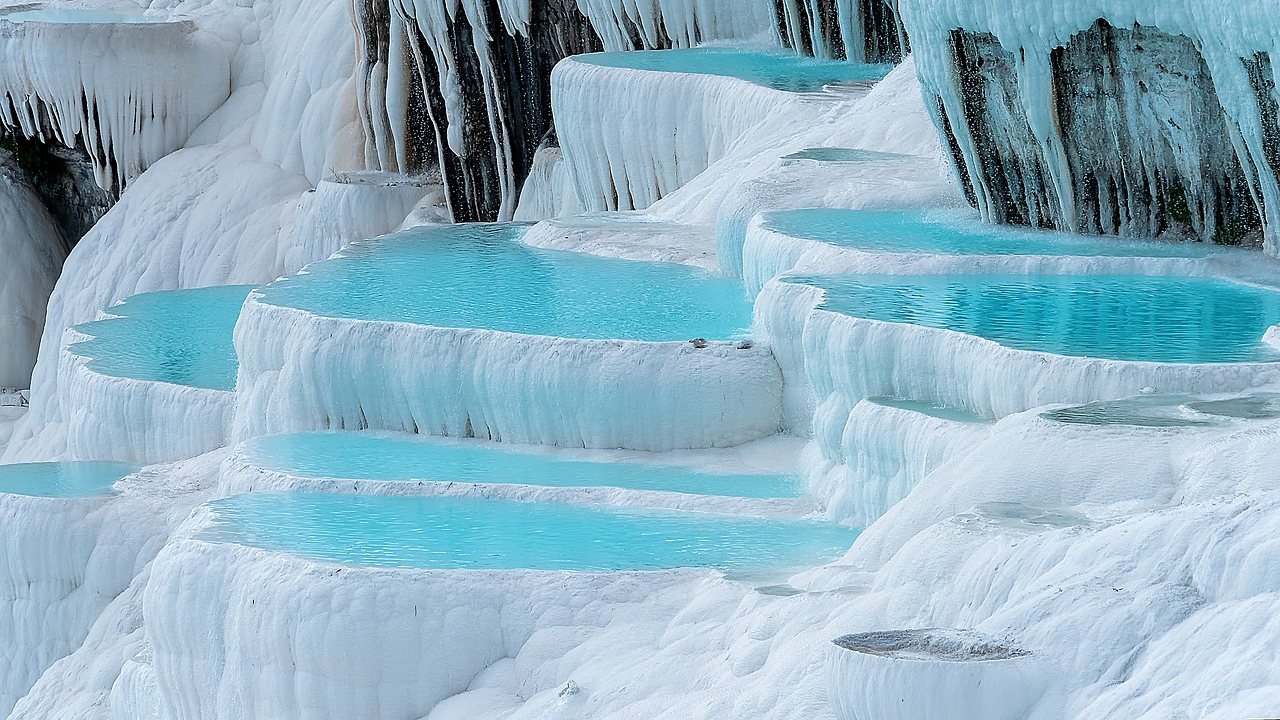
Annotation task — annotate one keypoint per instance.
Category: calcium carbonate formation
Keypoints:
(744, 409)
(1173, 133)
(109, 92)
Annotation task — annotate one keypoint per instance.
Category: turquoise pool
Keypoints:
(176, 336)
(842, 155)
(61, 479)
(777, 69)
(482, 276)
(1262, 406)
(954, 233)
(1145, 411)
(1120, 317)
(1169, 411)
(78, 15)
(467, 533)
(360, 456)
(942, 412)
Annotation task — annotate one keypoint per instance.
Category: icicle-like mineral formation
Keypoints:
(128, 93)
(1129, 117)
(855, 30)
(417, 56)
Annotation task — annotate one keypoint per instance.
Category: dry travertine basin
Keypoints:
(934, 674)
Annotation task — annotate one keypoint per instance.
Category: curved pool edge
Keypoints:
(464, 382)
(64, 559)
(136, 421)
(224, 623)
(769, 253)
(981, 376)
(1005, 683)
(241, 475)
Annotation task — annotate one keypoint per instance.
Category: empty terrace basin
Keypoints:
(61, 479)
(462, 330)
(449, 533)
(132, 382)
(996, 344)
(774, 69)
(411, 465)
(932, 673)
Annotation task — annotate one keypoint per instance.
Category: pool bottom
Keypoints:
(941, 412)
(481, 276)
(61, 479)
(774, 69)
(445, 533)
(181, 337)
(1170, 411)
(1135, 318)
(843, 155)
(950, 232)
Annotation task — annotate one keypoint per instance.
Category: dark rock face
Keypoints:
(1137, 141)
(817, 28)
(63, 179)
(503, 88)
(885, 37)
(1262, 82)
(474, 98)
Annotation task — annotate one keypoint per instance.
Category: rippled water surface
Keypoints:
(61, 479)
(468, 533)
(482, 276)
(177, 336)
(780, 70)
(1121, 317)
(955, 233)
(376, 457)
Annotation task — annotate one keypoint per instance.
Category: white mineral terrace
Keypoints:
(751, 417)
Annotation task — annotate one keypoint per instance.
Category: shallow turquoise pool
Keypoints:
(1120, 317)
(777, 69)
(1157, 411)
(61, 479)
(78, 15)
(360, 456)
(954, 233)
(467, 533)
(842, 155)
(1262, 406)
(482, 276)
(942, 412)
(1169, 411)
(175, 336)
